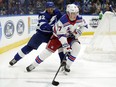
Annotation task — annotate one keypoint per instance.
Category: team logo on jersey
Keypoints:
(0, 31)
(94, 22)
(52, 47)
(20, 27)
(9, 29)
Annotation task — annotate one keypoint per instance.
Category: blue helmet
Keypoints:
(50, 5)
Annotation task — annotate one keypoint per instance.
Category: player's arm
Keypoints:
(58, 13)
(62, 36)
(56, 17)
(44, 24)
(80, 28)
(60, 32)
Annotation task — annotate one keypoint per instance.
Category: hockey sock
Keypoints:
(25, 50)
(38, 60)
(61, 55)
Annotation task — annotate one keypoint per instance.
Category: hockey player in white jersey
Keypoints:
(66, 33)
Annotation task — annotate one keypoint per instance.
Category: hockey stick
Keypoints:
(56, 83)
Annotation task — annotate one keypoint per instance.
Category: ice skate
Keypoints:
(30, 68)
(65, 69)
(12, 62)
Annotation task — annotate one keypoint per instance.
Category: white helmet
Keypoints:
(72, 8)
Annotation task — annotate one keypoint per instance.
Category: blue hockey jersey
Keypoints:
(46, 20)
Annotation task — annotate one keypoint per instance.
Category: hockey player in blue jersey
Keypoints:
(66, 33)
(43, 33)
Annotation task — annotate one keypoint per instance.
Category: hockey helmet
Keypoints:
(72, 11)
(72, 8)
(50, 5)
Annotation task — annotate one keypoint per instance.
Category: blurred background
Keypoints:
(25, 7)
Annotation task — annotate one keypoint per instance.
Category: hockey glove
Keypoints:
(53, 20)
(77, 33)
(66, 48)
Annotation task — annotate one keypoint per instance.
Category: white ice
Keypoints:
(83, 73)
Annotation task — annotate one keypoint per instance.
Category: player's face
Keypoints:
(50, 10)
(72, 16)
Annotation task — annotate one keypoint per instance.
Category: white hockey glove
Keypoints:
(66, 48)
(77, 32)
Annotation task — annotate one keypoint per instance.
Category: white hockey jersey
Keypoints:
(65, 28)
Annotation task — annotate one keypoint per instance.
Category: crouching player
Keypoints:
(66, 33)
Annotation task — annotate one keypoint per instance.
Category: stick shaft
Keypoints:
(60, 67)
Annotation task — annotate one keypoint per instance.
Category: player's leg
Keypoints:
(52, 46)
(73, 54)
(61, 54)
(20, 54)
(39, 59)
(33, 43)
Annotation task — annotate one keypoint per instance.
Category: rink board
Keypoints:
(16, 30)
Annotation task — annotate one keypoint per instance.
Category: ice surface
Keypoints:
(83, 73)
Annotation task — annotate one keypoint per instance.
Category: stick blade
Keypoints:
(55, 83)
